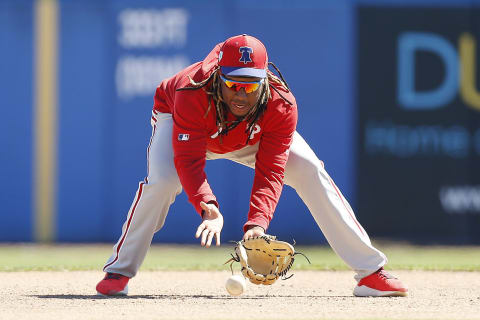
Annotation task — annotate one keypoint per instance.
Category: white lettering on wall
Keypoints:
(150, 28)
(139, 76)
(140, 69)
(460, 199)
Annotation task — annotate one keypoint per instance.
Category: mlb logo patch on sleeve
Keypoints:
(183, 137)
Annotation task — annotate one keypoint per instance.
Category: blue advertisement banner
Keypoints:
(419, 123)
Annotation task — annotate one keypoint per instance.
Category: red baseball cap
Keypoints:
(243, 56)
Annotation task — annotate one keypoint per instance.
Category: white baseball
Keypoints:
(236, 285)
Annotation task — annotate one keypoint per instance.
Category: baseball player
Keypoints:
(231, 106)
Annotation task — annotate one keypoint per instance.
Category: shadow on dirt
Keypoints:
(173, 297)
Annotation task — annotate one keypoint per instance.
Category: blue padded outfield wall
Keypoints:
(16, 86)
(111, 55)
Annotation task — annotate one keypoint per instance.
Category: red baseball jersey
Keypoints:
(195, 132)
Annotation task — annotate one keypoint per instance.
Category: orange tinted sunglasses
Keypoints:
(237, 85)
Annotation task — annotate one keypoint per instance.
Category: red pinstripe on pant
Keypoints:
(132, 213)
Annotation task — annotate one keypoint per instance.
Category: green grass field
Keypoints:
(31, 257)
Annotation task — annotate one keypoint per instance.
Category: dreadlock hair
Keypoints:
(214, 93)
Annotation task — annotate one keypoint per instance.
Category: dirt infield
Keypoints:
(201, 295)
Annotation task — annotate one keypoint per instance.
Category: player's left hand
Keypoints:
(211, 226)
(255, 231)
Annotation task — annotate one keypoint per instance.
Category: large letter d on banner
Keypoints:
(408, 43)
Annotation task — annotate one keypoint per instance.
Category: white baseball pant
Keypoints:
(304, 172)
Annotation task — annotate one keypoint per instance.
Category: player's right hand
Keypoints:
(254, 231)
(211, 226)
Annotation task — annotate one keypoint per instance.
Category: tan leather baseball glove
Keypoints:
(264, 259)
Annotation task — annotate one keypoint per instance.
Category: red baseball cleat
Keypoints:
(114, 284)
(380, 284)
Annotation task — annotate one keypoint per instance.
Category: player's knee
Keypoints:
(167, 180)
(301, 171)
